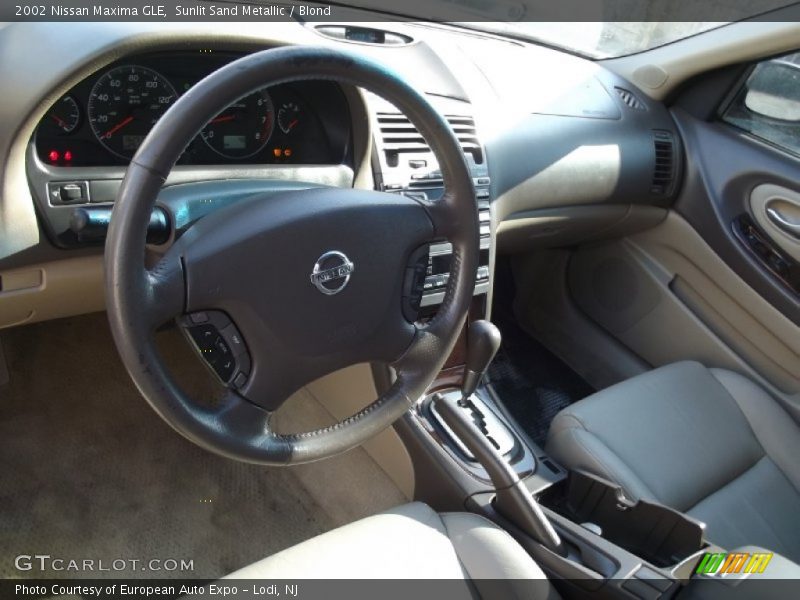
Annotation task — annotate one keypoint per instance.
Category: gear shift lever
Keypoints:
(483, 342)
(512, 498)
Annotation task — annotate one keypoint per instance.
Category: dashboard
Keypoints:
(103, 119)
(569, 135)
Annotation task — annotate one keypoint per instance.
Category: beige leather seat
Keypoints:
(707, 442)
(414, 542)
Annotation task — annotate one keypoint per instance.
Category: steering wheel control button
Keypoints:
(204, 336)
(414, 283)
(331, 272)
(223, 350)
(198, 317)
(224, 367)
(220, 345)
(239, 380)
(234, 340)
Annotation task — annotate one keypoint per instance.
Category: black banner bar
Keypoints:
(321, 589)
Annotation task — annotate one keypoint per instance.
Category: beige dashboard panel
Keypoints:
(667, 296)
(51, 290)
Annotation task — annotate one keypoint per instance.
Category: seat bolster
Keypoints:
(497, 565)
(486, 551)
(408, 542)
(414, 542)
(571, 444)
(773, 427)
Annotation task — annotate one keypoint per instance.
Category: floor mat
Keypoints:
(89, 471)
(533, 383)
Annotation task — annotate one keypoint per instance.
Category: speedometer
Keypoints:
(124, 104)
(244, 128)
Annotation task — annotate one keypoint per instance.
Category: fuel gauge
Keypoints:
(64, 115)
(288, 116)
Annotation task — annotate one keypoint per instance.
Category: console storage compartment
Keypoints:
(651, 531)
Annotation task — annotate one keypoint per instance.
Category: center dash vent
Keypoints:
(630, 99)
(399, 136)
(664, 169)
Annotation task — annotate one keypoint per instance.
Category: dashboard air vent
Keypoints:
(664, 170)
(630, 99)
(399, 136)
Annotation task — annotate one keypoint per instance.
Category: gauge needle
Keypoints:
(293, 123)
(223, 119)
(117, 127)
(61, 122)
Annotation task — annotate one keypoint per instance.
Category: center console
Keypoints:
(580, 529)
(577, 527)
(470, 454)
(404, 164)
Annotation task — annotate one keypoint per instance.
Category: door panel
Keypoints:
(667, 295)
(696, 286)
(724, 167)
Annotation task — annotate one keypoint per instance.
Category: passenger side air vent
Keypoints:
(664, 170)
(630, 99)
(399, 136)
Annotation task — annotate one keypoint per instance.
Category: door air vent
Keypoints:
(399, 136)
(630, 99)
(664, 170)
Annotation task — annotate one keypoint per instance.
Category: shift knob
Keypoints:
(483, 342)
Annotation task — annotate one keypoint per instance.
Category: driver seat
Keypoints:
(414, 542)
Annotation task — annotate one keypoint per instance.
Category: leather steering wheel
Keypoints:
(313, 280)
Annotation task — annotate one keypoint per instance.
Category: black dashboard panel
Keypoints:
(302, 123)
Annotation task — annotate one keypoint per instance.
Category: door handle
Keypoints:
(784, 223)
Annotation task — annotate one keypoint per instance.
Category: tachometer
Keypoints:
(243, 129)
(125, 103)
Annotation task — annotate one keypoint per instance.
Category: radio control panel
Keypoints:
(437, 271)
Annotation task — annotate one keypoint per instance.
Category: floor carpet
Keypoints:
(532, 382)
(89, 471)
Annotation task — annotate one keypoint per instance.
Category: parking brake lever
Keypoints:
(512, 500)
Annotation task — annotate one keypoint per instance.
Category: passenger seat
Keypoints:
(706, 442)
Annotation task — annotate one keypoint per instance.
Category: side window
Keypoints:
(768, 104)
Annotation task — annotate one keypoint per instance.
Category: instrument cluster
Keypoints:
(104, 119)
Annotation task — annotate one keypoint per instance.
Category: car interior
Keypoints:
(516, 307)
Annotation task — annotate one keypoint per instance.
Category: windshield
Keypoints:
(578, 25)
(600, 40)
